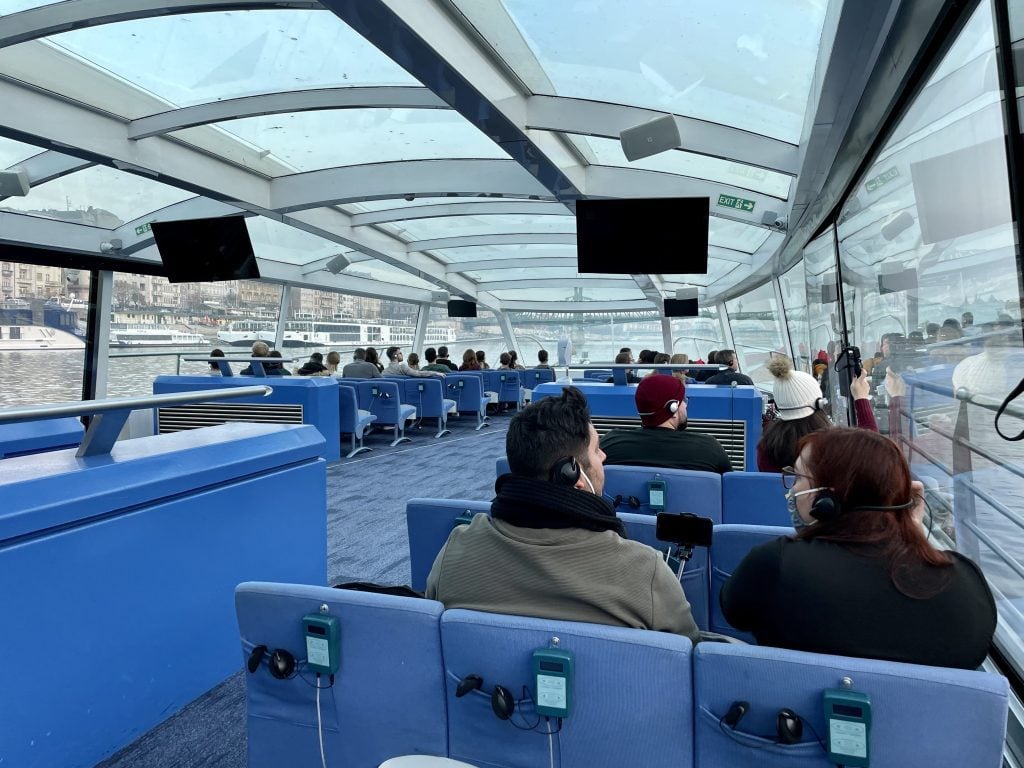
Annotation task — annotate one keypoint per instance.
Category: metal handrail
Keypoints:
(110, 415)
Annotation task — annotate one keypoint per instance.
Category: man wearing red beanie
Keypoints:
(663, 442)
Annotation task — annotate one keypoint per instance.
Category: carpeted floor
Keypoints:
(366, 541)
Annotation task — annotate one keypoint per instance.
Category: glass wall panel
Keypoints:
(480, 333)
(43, 312)
(793, 287)
(695, 337)
(597, 337)
(823, 322)
(757, 331)
(931, 283)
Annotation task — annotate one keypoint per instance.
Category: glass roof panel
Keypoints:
(275, 241)
(736, 235)
(13, 6)
(540, 273)
(194, 58)
(395, 203)
(309, 141)
(13, 152)
(455, 226)
(378, 270)
(600, 151)
(98, 196)
(570, 293)
(506, 252)
(746, 63)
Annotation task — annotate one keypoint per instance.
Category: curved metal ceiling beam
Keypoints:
(597, 118)
(442, 210)
(55, 18)
(469, 241)
(515, 263)
(50, 165)
(356, 97)
(581, 282)
(423, 178)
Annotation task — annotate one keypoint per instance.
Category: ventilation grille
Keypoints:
(732, 435)
(184, 417)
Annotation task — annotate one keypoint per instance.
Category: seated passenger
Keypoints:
(552, 546)
(481, 358)
(660, 358)
(333, 361)
(799, 404)
(442, 359)
(728, 357)
(314, 366)
(704, 375)
(433, 363)
(397, 367)
(374, 359)
(275, 369)
(259, 349)
(514, 362)
(413, 361)
(215, 367)
(623, 358)
(859, 578)
(360, 368)
(469, 361)
(663, 442)
(542, 359)
(504, 361)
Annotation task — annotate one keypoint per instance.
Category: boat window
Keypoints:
(757, 332)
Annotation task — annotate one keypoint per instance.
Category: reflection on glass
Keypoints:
(793, 287)
(13, 152)
(98, 196)
(933, 295)
(757, 331)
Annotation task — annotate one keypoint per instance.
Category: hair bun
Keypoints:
(780, 367)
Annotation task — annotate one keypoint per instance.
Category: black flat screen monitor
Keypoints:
(680, 307)
(898, 281)
(206, 250)
(661, 235)
(460, 308)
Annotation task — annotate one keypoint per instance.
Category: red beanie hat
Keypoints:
(653, 395)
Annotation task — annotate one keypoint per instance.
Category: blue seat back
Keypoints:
(756, 498)
(382, 399)
(388, 697)
(529, 378)
(685, 490)
(467, 390)
(631, 693)
(423, 393)
(729, 546)
(696, 573)
(349, 410)
(544, 374)
(501, 466)
(428, 523)
(508, 386)
(919, 715)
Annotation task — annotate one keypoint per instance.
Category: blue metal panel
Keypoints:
(36, 436)
(120, 620)
(318, 396)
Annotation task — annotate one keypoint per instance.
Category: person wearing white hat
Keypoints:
(799, 404)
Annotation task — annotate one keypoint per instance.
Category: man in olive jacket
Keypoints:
(552, 547)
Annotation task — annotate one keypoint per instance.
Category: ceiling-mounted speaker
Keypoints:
(684, 294)
(897, 225)
(14, 183)
(337, 264)
(439, 296)
(658, 135)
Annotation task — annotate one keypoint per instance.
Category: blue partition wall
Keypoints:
(26, 437)
(723, 404)
(117, 575)
(318, 396)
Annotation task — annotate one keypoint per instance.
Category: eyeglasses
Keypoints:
(789, 477)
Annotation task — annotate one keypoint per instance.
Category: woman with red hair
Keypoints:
(860, 578)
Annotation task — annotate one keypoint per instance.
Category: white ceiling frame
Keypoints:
(355, 97)
(443, 210)
(471, 241)
(49, 165)
(576, 282)
(596, 118)
(21, 229)
(53, 121)
(579, 307)
(55, 18)
(356, 285)
(422, 178)
(514, 263)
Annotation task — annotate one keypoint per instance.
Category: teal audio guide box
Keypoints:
(323, 642)
(552, 674)
(848, 719)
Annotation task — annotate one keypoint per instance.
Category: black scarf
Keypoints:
(529, 503)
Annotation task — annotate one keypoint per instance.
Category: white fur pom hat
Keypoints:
(796, 393)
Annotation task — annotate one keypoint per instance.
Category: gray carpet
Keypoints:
(366, 541)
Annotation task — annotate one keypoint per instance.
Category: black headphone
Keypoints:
(633, 501)
(566, 471)
(826, 507)
(671, 406)
(820, 403)
(789, 726)
(503, 703)
(282, 663)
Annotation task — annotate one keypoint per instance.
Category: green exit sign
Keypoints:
(739, 203)
(882, 179)
(142, 229)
